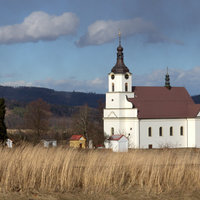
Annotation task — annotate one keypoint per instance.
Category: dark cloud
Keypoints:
(168, 16)
(101, 32)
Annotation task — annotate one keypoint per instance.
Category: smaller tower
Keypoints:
(167, 80)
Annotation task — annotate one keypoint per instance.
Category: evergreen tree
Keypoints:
(3, 131)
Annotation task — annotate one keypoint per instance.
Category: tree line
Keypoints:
(37, 117)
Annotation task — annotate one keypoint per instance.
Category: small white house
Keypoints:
(49, 143)
(118, 143)
(9, 143)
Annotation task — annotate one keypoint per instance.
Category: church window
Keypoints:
(126, 76)
(160, 131)
(181, 130)
(150, 146)
(113, 87)
(126, 87)
(149, 132)
(112, 131)
(171, 131)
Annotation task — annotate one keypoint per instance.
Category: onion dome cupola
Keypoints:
(167, 80)
(120, 67)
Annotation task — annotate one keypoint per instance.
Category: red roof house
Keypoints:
(77, 141)
(76, 137)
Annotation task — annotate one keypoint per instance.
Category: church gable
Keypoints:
(112, 115)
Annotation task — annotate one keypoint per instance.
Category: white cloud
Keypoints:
(102, 32)
(39, 26)
(97, 85)
(17, 83)
(178, 77)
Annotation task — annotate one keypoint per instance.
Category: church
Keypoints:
(150, 117)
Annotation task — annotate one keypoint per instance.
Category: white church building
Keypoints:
(150, 117)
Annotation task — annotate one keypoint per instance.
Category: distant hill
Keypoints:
(27, 94)
(24, 95)
(196, 98)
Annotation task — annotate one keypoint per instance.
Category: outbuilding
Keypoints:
(49, 143)
(77, 141)
(118, 143)
(9, 143)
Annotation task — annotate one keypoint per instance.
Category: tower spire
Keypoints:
(119, 34)
(120, 67)
(167, 80)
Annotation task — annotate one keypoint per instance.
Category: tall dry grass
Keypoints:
(28, 168)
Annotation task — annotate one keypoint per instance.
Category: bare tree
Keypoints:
(88, 121)
(37, 116)
(81, 121)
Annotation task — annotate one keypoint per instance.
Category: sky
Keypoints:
(70, 45)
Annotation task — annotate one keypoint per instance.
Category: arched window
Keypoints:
(149, 132)
(171, 131)
(113, 87)
(112, 131)
(126, 87)
(160, 131)
(181, 130)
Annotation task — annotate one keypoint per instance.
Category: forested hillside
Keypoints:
(62, 103)
(196, 98)
(24, 95)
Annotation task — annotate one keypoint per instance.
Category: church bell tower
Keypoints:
(120, 79)
(118, 109)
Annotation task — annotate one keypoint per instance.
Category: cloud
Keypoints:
(178, 77)
(39, 26)
(97, 85)
(17, 83)
(102, 32)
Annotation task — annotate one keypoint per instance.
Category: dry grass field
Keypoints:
(60, 173)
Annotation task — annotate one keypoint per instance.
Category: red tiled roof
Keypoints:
(161, 102)
(116, 137)
(76, 137)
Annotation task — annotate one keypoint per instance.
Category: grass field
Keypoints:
(57, 172)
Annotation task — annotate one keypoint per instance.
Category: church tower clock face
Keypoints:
(126, 76)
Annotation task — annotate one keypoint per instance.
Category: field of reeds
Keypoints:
(27, 168)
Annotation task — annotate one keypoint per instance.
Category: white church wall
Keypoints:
(127, 127)
(118, 100)
(197, 132)
(116, 113)
(157, 141)
(119, 82)
(191, 132)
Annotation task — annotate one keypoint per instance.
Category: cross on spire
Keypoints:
(119, 34)
(120, 67)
